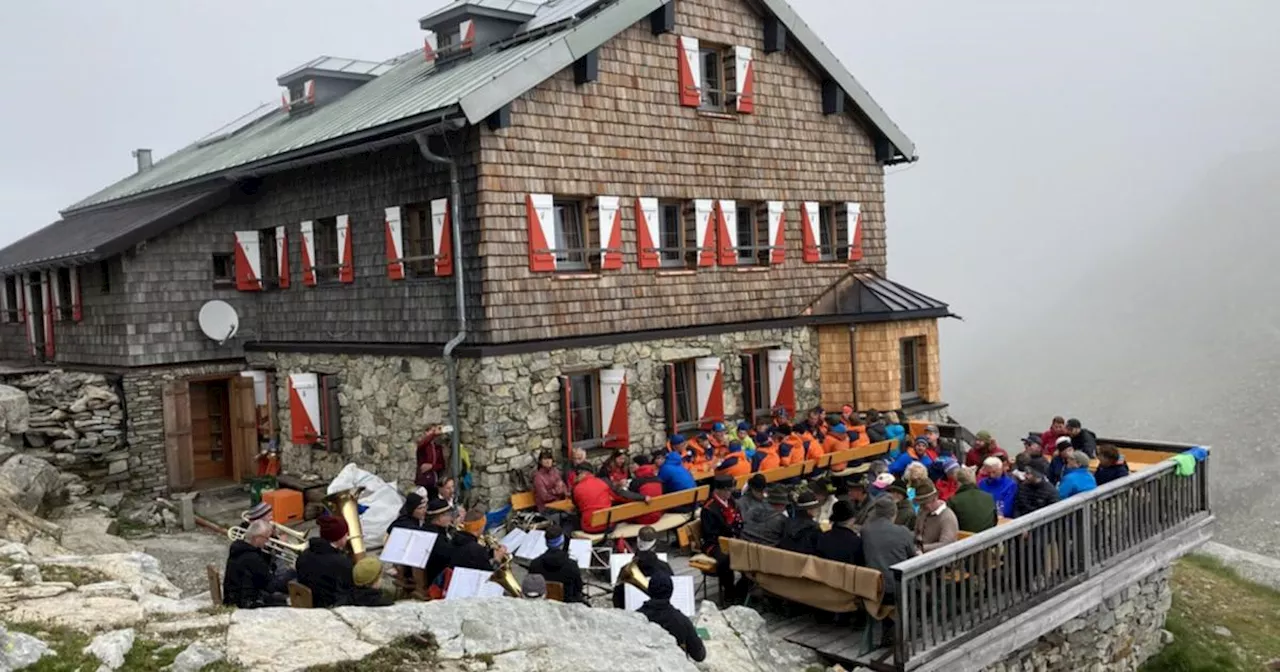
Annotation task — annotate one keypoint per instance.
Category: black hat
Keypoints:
(757, 482)
(777, 494)
(436, 507)
(841, 512)
(722, 482)
(660, 587)
(411, 501)
(899, 487)
(806, 500)
(641, 460)
(1032, 437)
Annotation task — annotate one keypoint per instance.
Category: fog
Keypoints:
(1093, 195)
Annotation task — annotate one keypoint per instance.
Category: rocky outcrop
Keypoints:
(19, 650)
(739, 640)
(76, 421)
(31, 483)
(14, 411)
(111, 648)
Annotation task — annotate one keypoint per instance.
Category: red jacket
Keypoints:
(647, 483)
(547, 487)
(592, 494)
(1049, 441)
(974, 457)
(946, 488)
(429, 450)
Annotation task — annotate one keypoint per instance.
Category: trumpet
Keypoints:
(282, 550)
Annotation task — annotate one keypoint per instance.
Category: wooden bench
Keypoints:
(215, 584)
(854, 454)
(690, 536)
(630, 510)
(831, 586)
(555, 591)
(523, 501)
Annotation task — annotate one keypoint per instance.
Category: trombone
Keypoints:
(280, 529)
(282, 550)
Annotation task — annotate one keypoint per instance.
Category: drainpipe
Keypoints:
(853, 366)
(455, 217)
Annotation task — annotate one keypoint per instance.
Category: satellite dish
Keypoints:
(219, 321)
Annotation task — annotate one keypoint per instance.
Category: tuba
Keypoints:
(631, 575)
(280, 549)
(346, 505)
(502, 575)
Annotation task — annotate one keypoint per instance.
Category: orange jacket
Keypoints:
(835, 444)
(700, 458)
(769, 459)
(815, 447)
(734, 464)
(796, 455)
(862, 439)
(722, 447)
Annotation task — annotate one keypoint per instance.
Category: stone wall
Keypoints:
(1117, 636)
(144, 413)
(76, 422)
(509, 405)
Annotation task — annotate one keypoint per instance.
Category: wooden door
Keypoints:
(211, 435)
(177, 435)
(244, 427)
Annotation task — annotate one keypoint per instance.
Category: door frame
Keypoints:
(179, 451)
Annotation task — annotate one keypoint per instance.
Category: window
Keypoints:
(66, 310)
(584, 418)
(686, 401)
(419, 248)
(571, 236)
(11, 298)
(713, 88)
(910, 362)
(104, 273)
(447, 39)
(326, 245)
(270, 260)
(330, 414)
(755, 386)
(224, 269)
(832, 232)
(753, 234)
(671, 226)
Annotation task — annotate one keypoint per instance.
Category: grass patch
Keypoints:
(402, 655)
(77, 576)
(145, 656)
(131, 529)
(1207, 595)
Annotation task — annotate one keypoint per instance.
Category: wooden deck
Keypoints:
(840, 643)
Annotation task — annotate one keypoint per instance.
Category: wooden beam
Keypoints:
(775, 35)
(500, 119)
(663, 19)
(587, 68)
(832, 97)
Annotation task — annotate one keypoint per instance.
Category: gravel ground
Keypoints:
(184, 555)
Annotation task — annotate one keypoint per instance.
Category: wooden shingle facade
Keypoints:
(670, 206)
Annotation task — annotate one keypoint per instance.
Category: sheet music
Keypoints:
(534, 545)
(491, 589)
(408, 547)
(681, 596)
(465, 583)
(580, 550)
(619, 560)
(513, 539)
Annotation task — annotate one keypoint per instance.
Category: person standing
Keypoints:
(884, 545)
(431, 462)
(721, 518)
(325, 567)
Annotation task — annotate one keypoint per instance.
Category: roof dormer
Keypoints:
(324, 80)
(466, 26)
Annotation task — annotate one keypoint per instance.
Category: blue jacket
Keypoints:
(904, 459)
(674, 475)
(1004, 490)
(1075, 481)
(1056, 466)
(895, 433)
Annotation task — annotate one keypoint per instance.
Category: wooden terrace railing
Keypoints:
(957, 592)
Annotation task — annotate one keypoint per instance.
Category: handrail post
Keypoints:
(1086, 538)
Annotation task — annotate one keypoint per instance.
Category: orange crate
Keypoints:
(286, 505)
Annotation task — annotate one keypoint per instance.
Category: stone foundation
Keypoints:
(144, 413)
(509, 405)
(76, 422)
(1117, 636)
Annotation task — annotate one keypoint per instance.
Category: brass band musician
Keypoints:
(325, 567)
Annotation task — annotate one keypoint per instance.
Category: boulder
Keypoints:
(195, 657)
(19, 650)
(30, 482)
(15, 410)
(72, 610)
(139, 571)
(111, 648)
(315, 636)
(739, 641)
(218, 622)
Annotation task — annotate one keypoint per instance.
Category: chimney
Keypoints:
(144, 159)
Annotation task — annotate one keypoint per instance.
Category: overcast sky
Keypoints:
(1049, 132)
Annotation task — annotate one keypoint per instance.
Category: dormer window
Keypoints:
(461, 28)
(324, 80)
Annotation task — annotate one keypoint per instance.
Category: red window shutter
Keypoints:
(77, 300)
(442, 236)
(395, 243)
(282, 256)
(566, 416)
(749, 401)
(609, 209)
(309, 91)
(346, 258)
(308, 229)
(744, 86)
(614, 421)
(854, 217)
(727, 226)
(467, 33)
(704, 228)
(248, 262)
(47, 287)
(810, 220)
(782, 384)
(669, 398)
(541, 213)
(647, 232)
(304, 409)
(777, 232)
(430, 46)
(709, 386)
(690, 71)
